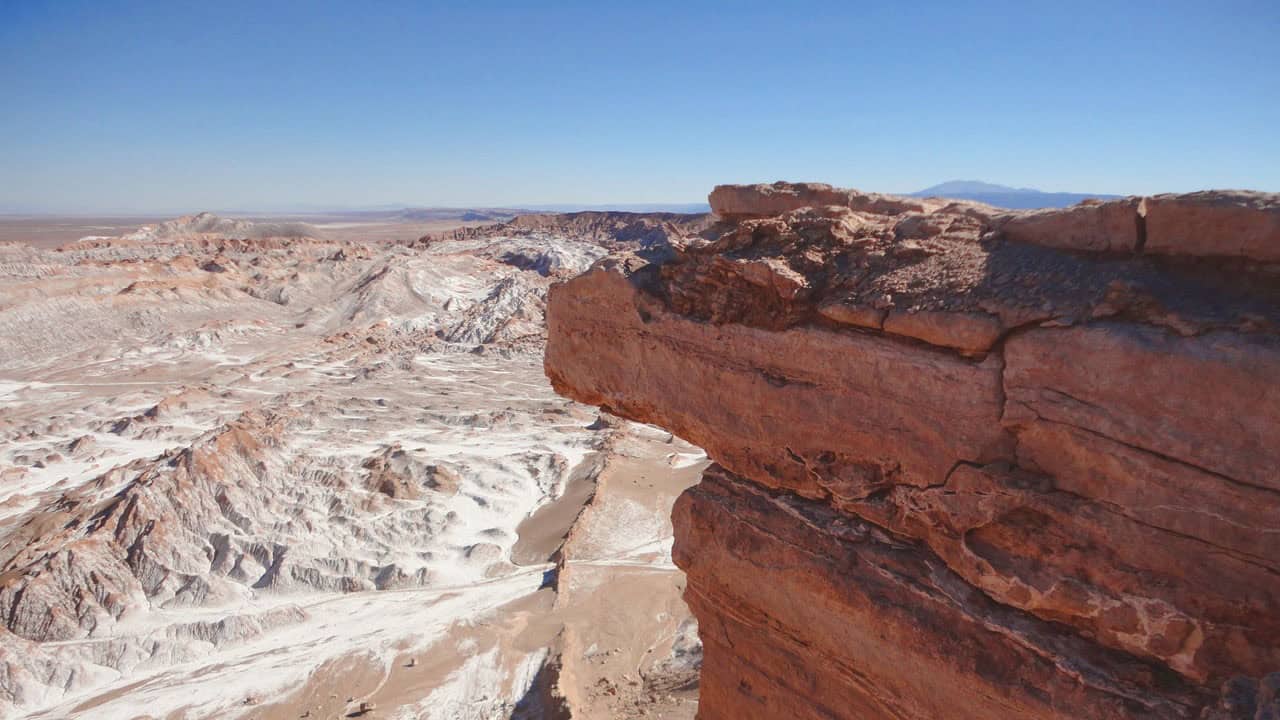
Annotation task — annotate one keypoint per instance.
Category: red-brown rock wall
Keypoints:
(964, 469)
(807, 612)
(870, 411)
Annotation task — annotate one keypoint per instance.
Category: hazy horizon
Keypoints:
(306, 209)
(309, 209)
(147, 108)
(393, 207)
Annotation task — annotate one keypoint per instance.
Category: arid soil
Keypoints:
(252, 469)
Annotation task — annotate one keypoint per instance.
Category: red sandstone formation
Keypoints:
(969, 464)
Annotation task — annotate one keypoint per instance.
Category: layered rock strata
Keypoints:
(969, 463)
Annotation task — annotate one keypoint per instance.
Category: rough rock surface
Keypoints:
(1229, 223)
(1105, 227)
(745, 201)
(969, 464)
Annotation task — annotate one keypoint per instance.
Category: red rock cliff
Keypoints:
(969, 464)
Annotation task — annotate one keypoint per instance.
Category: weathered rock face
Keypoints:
(1103, 227)
(1228, 223)
(970, 464)
(746, 201)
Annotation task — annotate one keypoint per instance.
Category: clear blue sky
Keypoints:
(173, 105)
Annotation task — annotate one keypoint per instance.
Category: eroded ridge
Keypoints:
(277, 470)
(969, 463)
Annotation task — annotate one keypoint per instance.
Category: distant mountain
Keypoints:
(1006, 197)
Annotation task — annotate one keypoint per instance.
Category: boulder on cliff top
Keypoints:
(1092, 226)
(1226, 223)
(742, 201)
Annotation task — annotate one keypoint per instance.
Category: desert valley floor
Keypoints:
(273, 470)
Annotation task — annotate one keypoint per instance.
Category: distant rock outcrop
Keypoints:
(969, 463)
(190, 227)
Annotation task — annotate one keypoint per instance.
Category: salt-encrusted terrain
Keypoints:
(249, 471)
